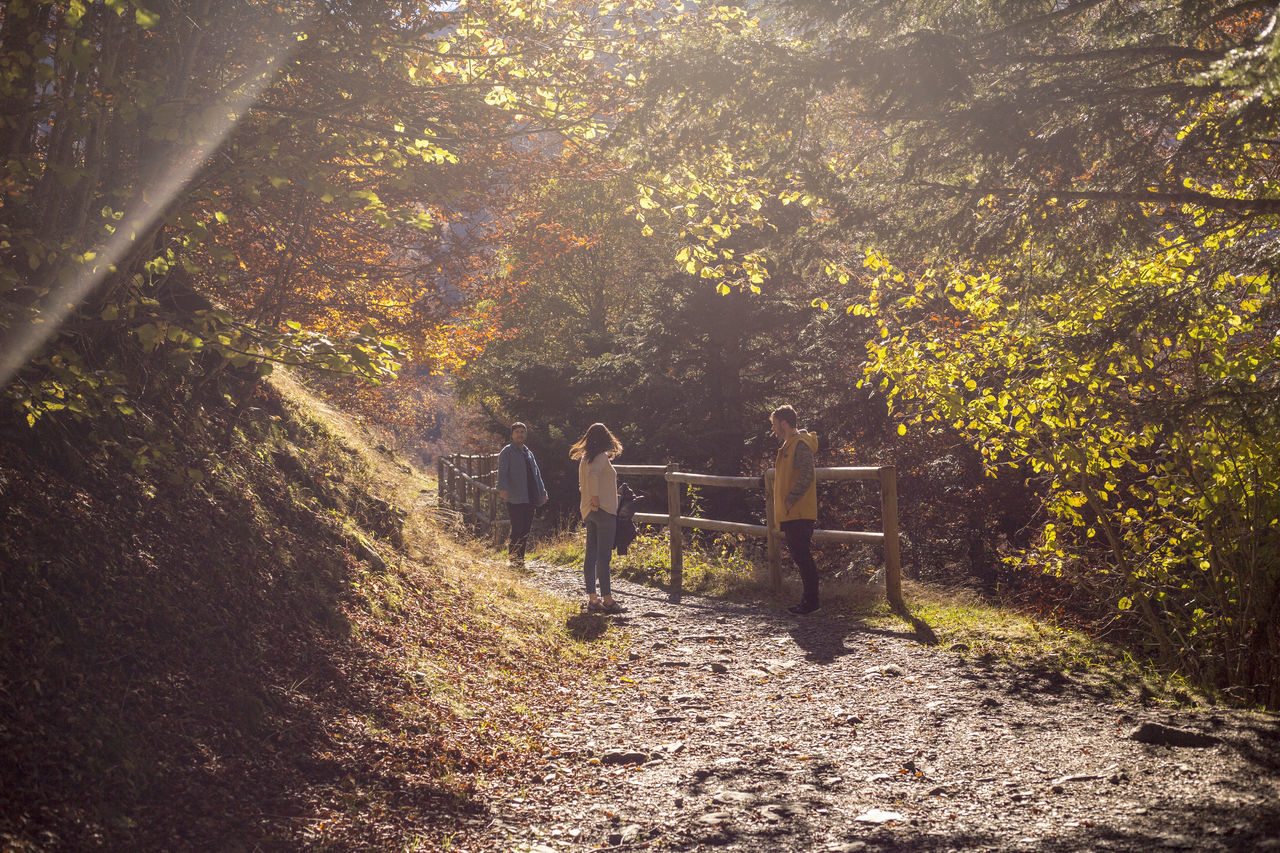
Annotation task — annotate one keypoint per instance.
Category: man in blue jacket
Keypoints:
(520, 485)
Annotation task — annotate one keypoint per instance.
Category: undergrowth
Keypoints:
(719, 568)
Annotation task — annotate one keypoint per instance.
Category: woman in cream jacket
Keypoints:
(598, 504)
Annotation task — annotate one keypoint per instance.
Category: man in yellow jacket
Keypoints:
(795, 499)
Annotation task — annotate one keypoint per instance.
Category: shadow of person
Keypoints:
(924, 634)
(823, 637)
(586, 626)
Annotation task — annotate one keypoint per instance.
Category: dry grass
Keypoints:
(965, 622)
(435, 537)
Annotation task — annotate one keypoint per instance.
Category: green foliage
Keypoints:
(1145, 402)
(718, 566)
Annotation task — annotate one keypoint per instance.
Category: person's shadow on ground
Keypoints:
(586, 626)
(823, 636)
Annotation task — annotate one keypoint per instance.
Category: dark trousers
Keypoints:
(521, 516)
(799, 533)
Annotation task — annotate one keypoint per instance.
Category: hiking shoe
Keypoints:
(595, 607)
(804, 608)
(612, 607)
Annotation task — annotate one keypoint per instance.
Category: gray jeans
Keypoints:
(602, 529)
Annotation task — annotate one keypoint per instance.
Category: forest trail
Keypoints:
(733, 726)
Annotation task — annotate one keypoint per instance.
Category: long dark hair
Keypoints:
(596, 440)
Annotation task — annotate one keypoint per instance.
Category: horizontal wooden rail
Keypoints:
(468, 485)
(477, 482)
(715, 480)
(848, 473)
(848, 537)
(703, 523)
(641, 470)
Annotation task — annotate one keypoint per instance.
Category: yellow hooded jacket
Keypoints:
(784, 480)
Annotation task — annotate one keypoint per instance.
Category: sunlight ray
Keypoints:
(151, 202)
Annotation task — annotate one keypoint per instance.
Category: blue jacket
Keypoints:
(513, 475)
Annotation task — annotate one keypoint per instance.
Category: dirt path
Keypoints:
(739, 727)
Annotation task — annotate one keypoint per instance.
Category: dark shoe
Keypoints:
(595, 607)
(804, 608)
(612, 607)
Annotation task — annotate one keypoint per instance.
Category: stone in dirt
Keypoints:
(624, 757)
(775, 812)
(879, 816)
(734, 798)
(713, 818)
(1155, 733)
(628, 833)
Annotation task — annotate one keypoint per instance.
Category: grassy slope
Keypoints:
(202, 654)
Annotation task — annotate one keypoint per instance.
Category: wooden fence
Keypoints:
(468, 483)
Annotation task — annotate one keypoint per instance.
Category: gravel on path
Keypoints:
(730, 726)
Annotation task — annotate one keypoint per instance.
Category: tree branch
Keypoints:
(1255, 206)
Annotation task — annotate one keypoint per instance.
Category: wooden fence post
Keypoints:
(455, 498)
(773, 553)
(677, 537)
(466, 484)
(440, 490)
(478, 498)
(494, 503)
(889, 523)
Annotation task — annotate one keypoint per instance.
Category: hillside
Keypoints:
(233, 626)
